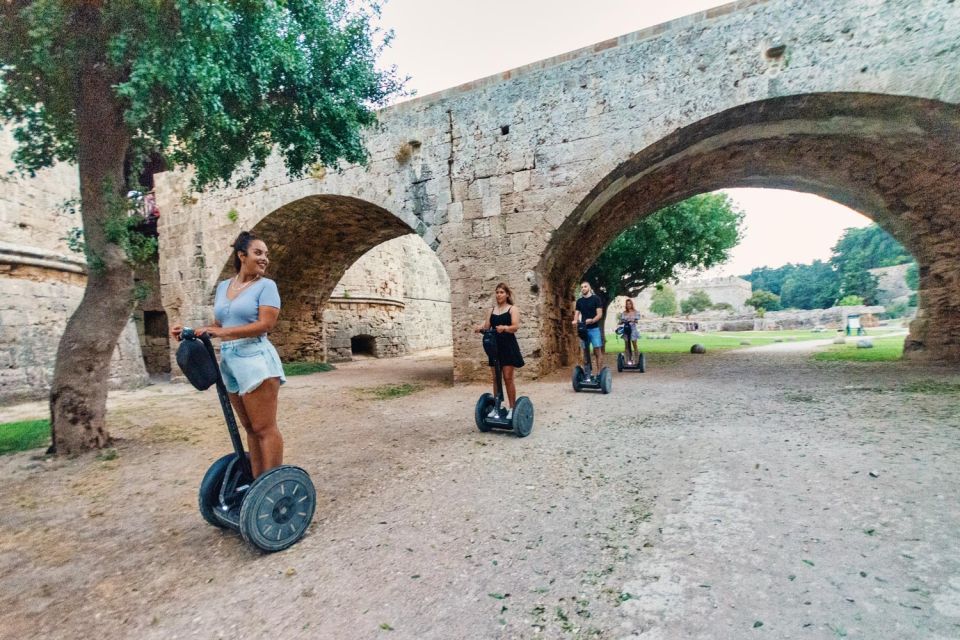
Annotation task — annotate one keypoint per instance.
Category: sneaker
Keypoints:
(509, 413)
(494, 413)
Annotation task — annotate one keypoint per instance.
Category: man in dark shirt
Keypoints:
(589, 308)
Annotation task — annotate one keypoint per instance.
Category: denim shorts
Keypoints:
(247, 362)
(593, 335)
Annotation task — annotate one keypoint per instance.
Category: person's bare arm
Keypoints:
(266, 321)
(514, 322)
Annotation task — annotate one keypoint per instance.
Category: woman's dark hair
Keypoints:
(240, 245)
(507, 290)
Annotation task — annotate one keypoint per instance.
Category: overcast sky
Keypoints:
(443, 43)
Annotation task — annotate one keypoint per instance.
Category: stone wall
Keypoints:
(398, 294)
(42, 281)
(892, 287)
(526, 175)
(731, 289)
(832, 318)
(151, 321)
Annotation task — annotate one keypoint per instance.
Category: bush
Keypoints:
(850, 301)
(764, 301)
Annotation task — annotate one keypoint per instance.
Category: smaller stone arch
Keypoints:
(312, 242)
(363, 344)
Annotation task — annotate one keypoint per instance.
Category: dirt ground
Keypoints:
(732, 495)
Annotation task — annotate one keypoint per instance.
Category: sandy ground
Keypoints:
(732, 495)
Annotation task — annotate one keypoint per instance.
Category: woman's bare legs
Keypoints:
(263, 436)
(509, 384)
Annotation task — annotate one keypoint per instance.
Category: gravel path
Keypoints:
(732, 495)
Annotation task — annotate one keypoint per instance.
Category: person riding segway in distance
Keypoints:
(589, 311)
(629, 316)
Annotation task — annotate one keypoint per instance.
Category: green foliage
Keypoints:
(696, 302)
(141, 290)
(697, 233)
(663, 302)
(722, 306)
(861, 284)
(818, 285)
(305, 368)
(770, 279)
(27, 434)
(867, 248)
(233, 215)
(813, 286)
(764, 300)
(912, 276)
(213, 84)
(74, 240)
(850, 301)
(898, 310)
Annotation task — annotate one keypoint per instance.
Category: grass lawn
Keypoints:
(27, 434)
(390, 391)
(304, 368)
(681, 342)
(884, 350)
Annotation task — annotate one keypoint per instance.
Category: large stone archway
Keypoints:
(893, 159)
(522, 176)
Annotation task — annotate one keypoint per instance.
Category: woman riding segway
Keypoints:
(269, 503)
(504, 318)
(504, 357)
(629, 319)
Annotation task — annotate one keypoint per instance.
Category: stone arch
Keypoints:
(313, 241)
(895, 159)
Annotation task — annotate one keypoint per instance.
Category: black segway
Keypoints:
(583, 377)
(271, 512)
(625, 331)
(521, 423)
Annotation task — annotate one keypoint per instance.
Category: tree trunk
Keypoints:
(78, 397)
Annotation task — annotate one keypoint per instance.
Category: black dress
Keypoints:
(507, 346)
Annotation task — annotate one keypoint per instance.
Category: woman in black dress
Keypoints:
(505, 318)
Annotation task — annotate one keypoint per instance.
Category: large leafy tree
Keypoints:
(695, 234)
(810, 286)
(867, 248)
(215, 85)
(771, 279)
(663, 302)
(696, 302)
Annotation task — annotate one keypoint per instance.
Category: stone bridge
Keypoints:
(527, 175)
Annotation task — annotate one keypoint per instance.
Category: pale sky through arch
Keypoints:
(444, 43)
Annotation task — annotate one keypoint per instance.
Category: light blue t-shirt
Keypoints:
(245, 307)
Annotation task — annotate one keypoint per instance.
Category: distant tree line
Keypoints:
(844, 278)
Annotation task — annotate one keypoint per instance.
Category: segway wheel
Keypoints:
(523, 417)
(620, 361)
(484, 404)
(606, 380)
(642, 363)
(209, 495)
(577, 377)
(278, 508)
